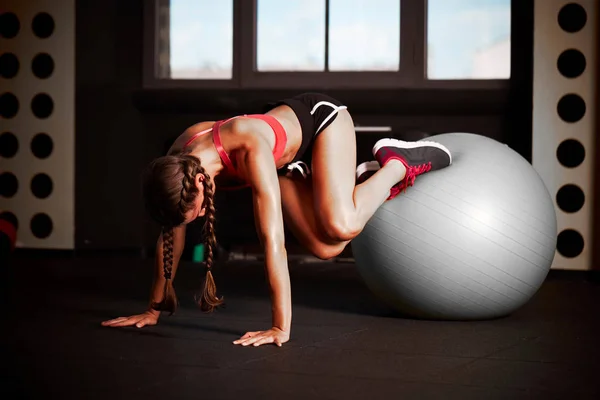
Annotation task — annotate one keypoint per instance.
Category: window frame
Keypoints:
(411, 75)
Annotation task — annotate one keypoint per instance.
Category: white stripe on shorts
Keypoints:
(326, 103)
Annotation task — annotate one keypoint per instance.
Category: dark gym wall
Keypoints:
(120, 126)
(596, 194)
(109, 130)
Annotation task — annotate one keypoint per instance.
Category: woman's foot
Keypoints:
(417, 157)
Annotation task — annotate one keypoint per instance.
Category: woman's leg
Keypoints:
(300, 217)
(329, 210)
(343, 207)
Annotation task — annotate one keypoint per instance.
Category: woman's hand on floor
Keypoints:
(273, 335)
(140, 320)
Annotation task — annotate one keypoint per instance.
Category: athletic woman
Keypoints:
(299, 159)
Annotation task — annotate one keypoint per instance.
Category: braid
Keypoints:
(169, 301)
(209, 301)
(179, 195)
(168, 252)
(189, 191)
(188, 194)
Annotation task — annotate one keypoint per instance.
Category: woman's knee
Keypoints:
(340, 226)
(328, 251)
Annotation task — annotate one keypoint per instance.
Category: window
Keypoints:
(364, 35)
(468, 39)
(292, 37)
(338, 35)
(195, 39)
(331, 43)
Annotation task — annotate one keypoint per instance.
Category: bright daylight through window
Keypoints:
(464, 39)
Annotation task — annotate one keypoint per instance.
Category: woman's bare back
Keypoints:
(231, 140)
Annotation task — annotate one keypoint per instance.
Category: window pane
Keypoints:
(364, 35)
(468, 39)
(290, 35)
(196, 37)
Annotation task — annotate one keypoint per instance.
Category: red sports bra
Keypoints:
(280, 142)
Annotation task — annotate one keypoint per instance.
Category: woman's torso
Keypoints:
(231, 140)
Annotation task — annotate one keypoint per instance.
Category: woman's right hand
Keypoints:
(148, 318)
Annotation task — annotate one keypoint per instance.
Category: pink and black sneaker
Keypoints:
(367, 169)
(418, 157)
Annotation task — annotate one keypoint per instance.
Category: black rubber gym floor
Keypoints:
(345, 343)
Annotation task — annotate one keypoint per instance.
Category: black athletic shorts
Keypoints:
(315, 111)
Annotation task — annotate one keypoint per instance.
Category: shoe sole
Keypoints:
(409, 145)
(367, 166)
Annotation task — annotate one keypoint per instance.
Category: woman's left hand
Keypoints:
(273, 335)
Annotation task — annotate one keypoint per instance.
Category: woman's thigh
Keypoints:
(302, 220)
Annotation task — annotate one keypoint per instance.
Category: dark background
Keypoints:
(121, 126)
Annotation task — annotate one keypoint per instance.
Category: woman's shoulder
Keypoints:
(179, 143)
(195, 129)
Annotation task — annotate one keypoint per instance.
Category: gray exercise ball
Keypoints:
(469, 242)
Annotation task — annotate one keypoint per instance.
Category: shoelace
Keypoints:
(412, 173)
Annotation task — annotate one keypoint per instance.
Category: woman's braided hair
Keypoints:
(170, 192)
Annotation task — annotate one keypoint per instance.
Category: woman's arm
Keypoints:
(156, 293)
(150, 316)
(256, 164)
